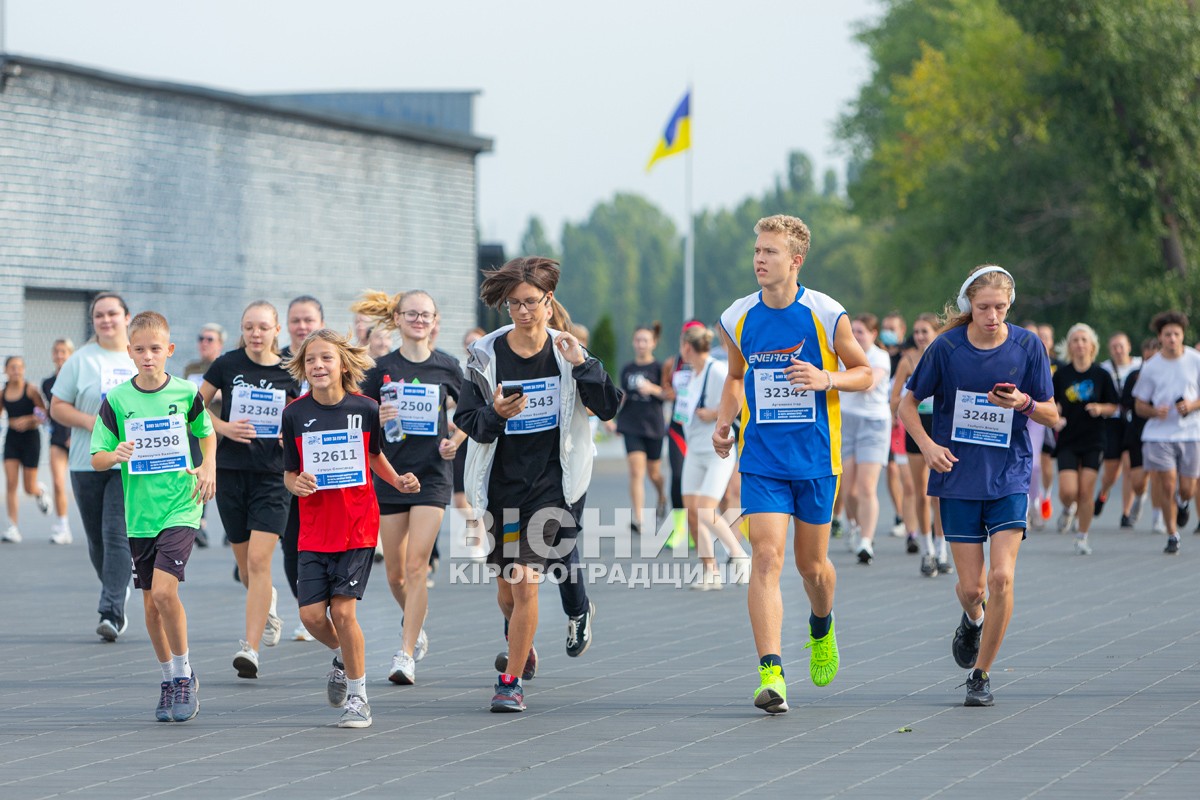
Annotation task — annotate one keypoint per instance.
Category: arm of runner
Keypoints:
(668, 388)
(599, 394)
(240, 431)
(301, 484)
(206, 473)
(405, 484)
(857, 377)
(733, 394)
(448, 447)
(939, 458)
(65, 413)
(482, 420)
(1148, 411)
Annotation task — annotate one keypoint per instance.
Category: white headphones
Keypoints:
(964, 304)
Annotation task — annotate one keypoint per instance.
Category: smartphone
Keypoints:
(1004, 388)
(509, 391)
(1177, 402)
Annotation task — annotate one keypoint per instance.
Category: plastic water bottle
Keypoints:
(390, 393)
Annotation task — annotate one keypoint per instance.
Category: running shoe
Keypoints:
(1126, 522)
(245, 661)
(1047, 509)
(421, 649)
(1099, 504)
(356, 713)
(531, 664)
(404, 669)
(823, 662)
(274, 627)
(1172, 547)
(61, 534)
(43, 499)
(166, 697)
(301, 634)
(738, 569)
(944, 567)
(1136, 510)
(910, 544)
(835, 528)
(865, 554)
(1066, 519)
(107, 630)
(898, 528)
(336, 687)
(771, 695)
(979, 689)
(1082, 548)
(509, 696)
(708, 582)
(965, 644)
(853, 537)
(1183, 512)
(11, 535)
(186, 702)
(579, 632)
(929, 566)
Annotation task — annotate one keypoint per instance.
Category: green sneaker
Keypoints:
(823, 663)
(771, 696)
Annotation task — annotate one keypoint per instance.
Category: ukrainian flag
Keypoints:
(678, 134)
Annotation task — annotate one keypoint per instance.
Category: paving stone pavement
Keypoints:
(1097, 689)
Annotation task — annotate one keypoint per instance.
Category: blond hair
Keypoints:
(383, 308)
(953, 318)
(241, 344)
(798, 236)
(699, 337)
(149, 321)
(1089, 332)
(354, 358)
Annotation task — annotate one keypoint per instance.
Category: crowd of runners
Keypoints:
(345, 450)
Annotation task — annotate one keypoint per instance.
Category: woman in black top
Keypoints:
(251, 498)
(1132, 443)
(641, 422)
(60, 445)
(1086, 396)
(413, 385)
(23, 445)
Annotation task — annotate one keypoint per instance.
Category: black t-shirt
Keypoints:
(1073, 390)
(412, 453)
(641, 415)
(1136, 424)
(527, 472)
(235, 368)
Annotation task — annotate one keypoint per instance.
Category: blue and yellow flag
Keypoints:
(678, 134)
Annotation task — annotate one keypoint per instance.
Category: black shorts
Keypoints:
(1114, 438)
(169, 551)
(251, 501)
(545, 536)
(460, 468)
(650, 445)
(1079, 459)
(910, 446)
(23, 446)
(387, 509)
(1133, 446)
(1050, 442)
(321, 576)
(60, 436)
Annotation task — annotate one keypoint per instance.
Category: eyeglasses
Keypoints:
(529, 305)
(206, 338)
(413, 316)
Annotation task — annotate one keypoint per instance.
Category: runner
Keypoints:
(1086, 396)
(330, 436)
(935, 557)
(147, 426)
(987, 378)
(640, 422)
(784, 343)
(305, 315)
(1116, 462)
(1045, 333)
(1132, 445)
(1168, 395)
(675, 378)
(899, 482)
(866, 440)
(474, 550)
(706, 474)
(209, 343)
(26, 409)
(251, 498)
(82, 384)
(530, 455)
(60, 443)
(419, 383)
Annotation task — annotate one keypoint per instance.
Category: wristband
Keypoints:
(1029, 407)
(828, 377)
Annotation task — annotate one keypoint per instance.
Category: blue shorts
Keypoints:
(973, 521)
(809, 500)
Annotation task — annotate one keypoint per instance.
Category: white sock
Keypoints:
(337, 653)
(941, 549)
(927, 540)
(357, 686)
(978, 623)
(64, 523)
(181, 666)
(1081, 535)
(168, 669)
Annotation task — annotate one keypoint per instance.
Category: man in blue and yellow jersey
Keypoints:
(784, 343)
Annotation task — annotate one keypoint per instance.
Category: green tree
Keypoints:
(535, 242)
(604, 345)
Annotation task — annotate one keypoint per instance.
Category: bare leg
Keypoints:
(393, 535)
(768, 541)
(423, 525)
(522, 623)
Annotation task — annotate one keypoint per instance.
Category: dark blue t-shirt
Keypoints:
(952, 363)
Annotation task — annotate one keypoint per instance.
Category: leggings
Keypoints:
(677, 449)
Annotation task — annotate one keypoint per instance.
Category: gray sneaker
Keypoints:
(186, 702)
(929, 566)
(165, 698)
(107, 630)
(335, 684)
(356, 713)
(274, 627)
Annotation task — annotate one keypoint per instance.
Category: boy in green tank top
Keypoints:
(147, 425)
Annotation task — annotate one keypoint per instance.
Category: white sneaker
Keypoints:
(853, 537)
(1082, 548)
(404, 669)
(274, 627)
(43, 499)
(245, 661)
(301, 634)
(61, 534)
(422, 646)
(1066, 519)
(738, 568)
(11, 535)
(709, 582)
(898, 529)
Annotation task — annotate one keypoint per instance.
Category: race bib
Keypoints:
(262, 407)
(778, 401)
(977, 421)
(418, 404)
(112, 376)
(337, 459)
(160, 444)
(686, 403)
(680, 380)
(542, 397)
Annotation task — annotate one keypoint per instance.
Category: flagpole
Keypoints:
(689, 247)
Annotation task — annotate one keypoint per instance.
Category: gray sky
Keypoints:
(575, 95)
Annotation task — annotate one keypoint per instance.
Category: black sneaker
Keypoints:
(835, 528)
(1126, 522)
(979, 689)
(1172, 547)
(509, 696)
(201, 538)
(911, 546)
(527, 674)
(1099, 505)
(929, 566)
(944, 567)
(579, 632)
(965, 645)
(865, 556)
(1182, 514)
